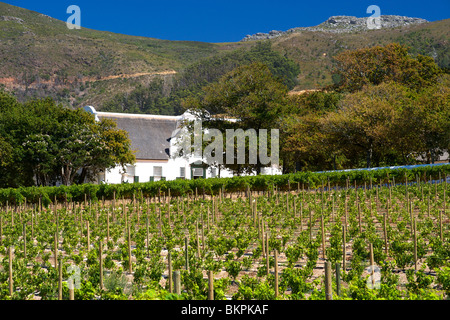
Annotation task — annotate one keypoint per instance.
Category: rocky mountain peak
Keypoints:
(342, 24)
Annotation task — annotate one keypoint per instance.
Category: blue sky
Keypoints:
(221, 20)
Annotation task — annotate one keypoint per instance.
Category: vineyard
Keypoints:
(382, 237)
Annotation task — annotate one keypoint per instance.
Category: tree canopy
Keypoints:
(43, 143)
(356, 68)
(388, 107)
(385, 124)
(250, 94)
(165, 97)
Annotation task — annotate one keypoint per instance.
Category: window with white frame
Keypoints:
(157, 172)
(131, 171)
(197, 172)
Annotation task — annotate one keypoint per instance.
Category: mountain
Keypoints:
(42, 57)
(313, 49)
(342, 24)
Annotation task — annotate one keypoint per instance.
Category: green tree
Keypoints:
(165, 96)
(303, 138)
(250, 94)
(356, 68)
(10, 148)
(50, 143)
(365, 125)
(433, 115)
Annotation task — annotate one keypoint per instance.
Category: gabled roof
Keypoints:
(149, 134)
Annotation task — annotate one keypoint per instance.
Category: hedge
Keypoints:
(312, 180)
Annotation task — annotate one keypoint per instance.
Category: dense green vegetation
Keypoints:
(213, 186)
(389, 108)
(42, 143)
(84, 52)
(161, 98)
(42, 58)
(120, 248)
(46, 59)
(399, 111)
(315, 51)
(380, 103)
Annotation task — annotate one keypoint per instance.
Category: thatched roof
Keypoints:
(150, 135)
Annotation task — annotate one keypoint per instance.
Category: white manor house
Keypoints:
(154, 138)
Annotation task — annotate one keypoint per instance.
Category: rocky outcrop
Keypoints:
(342, 24)
(7, 18)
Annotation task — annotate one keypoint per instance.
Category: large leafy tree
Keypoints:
(250, 94)
(356, 68)
(433, 112)
(11, 111)
(52, 144)
(364, 124)
(390, 109)
(304, 140)
(390, 123)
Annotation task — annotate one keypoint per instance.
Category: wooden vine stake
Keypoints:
(71, 290)
(411, 218)
(210, 285)
(267, 254)
(338, 279)
(168, 213)
(385, 233)
(343, 248)
(310, 224)
(186, 253)
(198, 239)
(177, 282)
(444, 204)
(100, 257)
(88, 236)
(129, 250)
(323, 237)
(55, 249)
(12, 215)
(60, 296)
(346, 211)
(114, 203)
(107, 227)
(328, 288)
(25, 242)
(148, 241)
(203, 237)
(415, 246)
(160, 222)
(372, 264)
(170, 277)
(10, 261)
(263, 238)
(276, 272)
(359, 217)
(301, 214)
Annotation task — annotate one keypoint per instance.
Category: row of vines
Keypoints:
(259, 243)
(310, 180)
